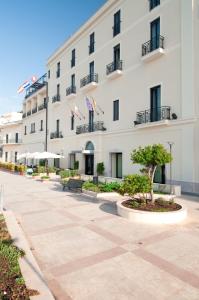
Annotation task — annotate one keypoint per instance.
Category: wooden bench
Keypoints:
(73, 184)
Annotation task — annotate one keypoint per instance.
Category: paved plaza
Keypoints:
(87, 252)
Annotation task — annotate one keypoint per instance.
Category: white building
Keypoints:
(137, 64)
(10, 136)
(139, 61)
(34, 117)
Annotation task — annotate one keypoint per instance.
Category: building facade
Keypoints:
(127, 78)
(10, 137)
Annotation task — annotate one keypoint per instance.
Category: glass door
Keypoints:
(91, 121)
(89, 164)
(91, 71)
(116, 56)
(118, 165)
(155, 103)
(155, 34)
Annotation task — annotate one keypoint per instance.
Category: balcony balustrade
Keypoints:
(56, 98)
(29, 113)
(34, 110)
(96, 126)
(56, 135)
(71, 91)
(153, 48)
(37, 85)
(153, 115)
(24, 115)
(41, 107)
(89, 79)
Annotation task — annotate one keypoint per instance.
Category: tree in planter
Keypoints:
(100, 168)
(151, 157)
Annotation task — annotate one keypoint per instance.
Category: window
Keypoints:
(16, 138)
(91, 121)
(6, 156)
(73, 80)
(117, 21)
(155, 34)
(92, 43)
(72, 121)
(116, 110)
(15, 157)
(58, 89)
(73, 58)
(57, 126)
(153, 3)
(92, 68)
(32, 128)
(48, 74)
(116, 56)
(6, 138)
(25, 130)
(58, 69)
(42, 124)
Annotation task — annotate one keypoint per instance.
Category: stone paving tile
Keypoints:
(135, 279)
(69, 244)
(183, 245)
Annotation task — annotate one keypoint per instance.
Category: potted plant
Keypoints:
(100, 169)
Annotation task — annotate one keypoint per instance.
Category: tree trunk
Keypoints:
(152, 178)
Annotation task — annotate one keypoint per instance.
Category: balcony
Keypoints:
(56, 135)
(158, 114)
(71, 92)
(37, 85)
(32, 131)
(28, 113)
(24, 115)
(153, 49)
(89, 82)
(114, 69)
(41, 107)
(96, 126)
(34, 110)
(56, 98)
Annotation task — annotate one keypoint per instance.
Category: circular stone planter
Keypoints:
(148, 217)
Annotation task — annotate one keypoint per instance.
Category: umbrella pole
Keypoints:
(46, 163)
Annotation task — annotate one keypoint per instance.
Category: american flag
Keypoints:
(89, 104)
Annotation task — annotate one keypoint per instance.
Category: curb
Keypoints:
(30, 270)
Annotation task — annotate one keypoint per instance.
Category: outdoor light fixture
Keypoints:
(170, 149)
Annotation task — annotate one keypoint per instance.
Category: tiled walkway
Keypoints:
(87, 252)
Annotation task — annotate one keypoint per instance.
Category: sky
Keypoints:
(30, 31)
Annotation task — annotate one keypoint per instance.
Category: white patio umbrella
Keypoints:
(46, 155)
(23, 155)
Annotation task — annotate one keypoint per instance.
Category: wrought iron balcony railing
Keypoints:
(88, 79)
(56, 98)
(32, 131)
(153, 44)
(24, 115)
(114, 66)
(29, 113)
(71, 90)
(42, 81)
(40, 107)
(34, 110)
(153, 115)
(56, 135)
(96, 126)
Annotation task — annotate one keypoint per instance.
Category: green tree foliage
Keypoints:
(135, 184)
(150, 157)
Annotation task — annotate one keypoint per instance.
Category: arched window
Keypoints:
(89, 146)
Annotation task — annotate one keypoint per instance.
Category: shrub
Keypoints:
(109, 187)
(51, 169)
(135, 184)
(41, 169)
(90, 186)
(100, 168)
(64, 173)
(45, 177)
